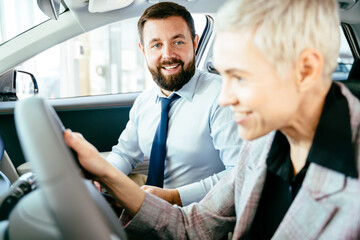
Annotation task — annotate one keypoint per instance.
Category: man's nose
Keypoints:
(167, 51)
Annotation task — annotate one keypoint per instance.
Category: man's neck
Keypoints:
(165, 92)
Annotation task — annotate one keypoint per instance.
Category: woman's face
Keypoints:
(262, 100)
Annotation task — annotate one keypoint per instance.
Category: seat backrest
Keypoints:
(6, 166)
(4, 181)
(353, 85)
(355, 70)
(353, 81)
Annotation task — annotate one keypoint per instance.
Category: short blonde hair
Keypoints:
(284, 28)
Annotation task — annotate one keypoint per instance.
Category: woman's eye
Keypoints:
(237, 78)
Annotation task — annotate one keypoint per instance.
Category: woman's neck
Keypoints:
(301, 130)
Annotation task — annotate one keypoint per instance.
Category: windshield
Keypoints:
(14, 20)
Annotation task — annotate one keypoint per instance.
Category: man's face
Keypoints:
(169, 51)
(262, 100)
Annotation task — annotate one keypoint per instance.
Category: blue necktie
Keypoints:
(158, 150)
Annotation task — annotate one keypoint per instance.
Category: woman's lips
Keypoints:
(241, 117)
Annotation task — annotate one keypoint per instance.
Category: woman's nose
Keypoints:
(227, 94)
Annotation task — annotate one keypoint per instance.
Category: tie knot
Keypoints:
(165, 102)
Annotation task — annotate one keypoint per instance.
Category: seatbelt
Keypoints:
(4, 181)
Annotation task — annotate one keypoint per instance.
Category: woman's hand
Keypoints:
(122, 188)
(88, 156)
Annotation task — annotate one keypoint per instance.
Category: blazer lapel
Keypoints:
(248, 189)
(248, 200)
(308, 215)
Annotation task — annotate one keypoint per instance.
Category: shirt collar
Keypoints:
(186, 92)
(332, 146)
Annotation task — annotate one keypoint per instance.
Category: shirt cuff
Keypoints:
(190, 193)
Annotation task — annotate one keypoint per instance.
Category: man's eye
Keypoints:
(156, 45)
(179, 43)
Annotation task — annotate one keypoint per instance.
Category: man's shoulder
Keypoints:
(146, 95)
(209, 77)
(209, 82)
(143, 103)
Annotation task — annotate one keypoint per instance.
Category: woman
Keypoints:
(297, 176)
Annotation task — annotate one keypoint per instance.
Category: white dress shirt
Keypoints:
(202, 141)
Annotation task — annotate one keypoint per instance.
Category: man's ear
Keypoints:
(309, 68)
(141, 48)
(196, 41)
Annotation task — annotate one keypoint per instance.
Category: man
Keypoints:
(298, 175)
(201, 143)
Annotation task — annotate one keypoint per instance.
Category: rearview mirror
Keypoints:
(16, 84)
(50, 8)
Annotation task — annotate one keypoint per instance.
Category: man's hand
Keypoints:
(98, 186)
(170, 195)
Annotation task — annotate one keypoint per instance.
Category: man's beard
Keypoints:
(176, 81)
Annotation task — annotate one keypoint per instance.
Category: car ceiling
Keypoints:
(78, 20)
(88, 21)
(350, 11)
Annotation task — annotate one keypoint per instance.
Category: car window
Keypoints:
(106, 60)
(345, 60)
(341, 73)
(14, 20)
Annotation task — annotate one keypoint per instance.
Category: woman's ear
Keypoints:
(309, 68)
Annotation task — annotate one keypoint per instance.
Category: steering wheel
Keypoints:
(77, 208)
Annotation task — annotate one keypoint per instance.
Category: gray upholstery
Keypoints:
(354, 86)
(7, 167)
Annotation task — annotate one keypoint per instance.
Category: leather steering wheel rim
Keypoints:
(78, 209)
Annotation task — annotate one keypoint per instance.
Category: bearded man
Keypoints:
(200, 144)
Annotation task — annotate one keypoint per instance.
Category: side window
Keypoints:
(345, 60)
(341, 73)
(14, 21)
(106, 60)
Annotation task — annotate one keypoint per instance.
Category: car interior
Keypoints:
(44, 193)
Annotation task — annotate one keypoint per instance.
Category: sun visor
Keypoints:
(107, 5)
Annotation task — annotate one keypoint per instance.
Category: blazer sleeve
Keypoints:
(212, 218)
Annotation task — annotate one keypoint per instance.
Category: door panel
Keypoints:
(100, 119)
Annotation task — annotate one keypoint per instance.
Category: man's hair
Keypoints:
(284, 28)
(164, 10)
